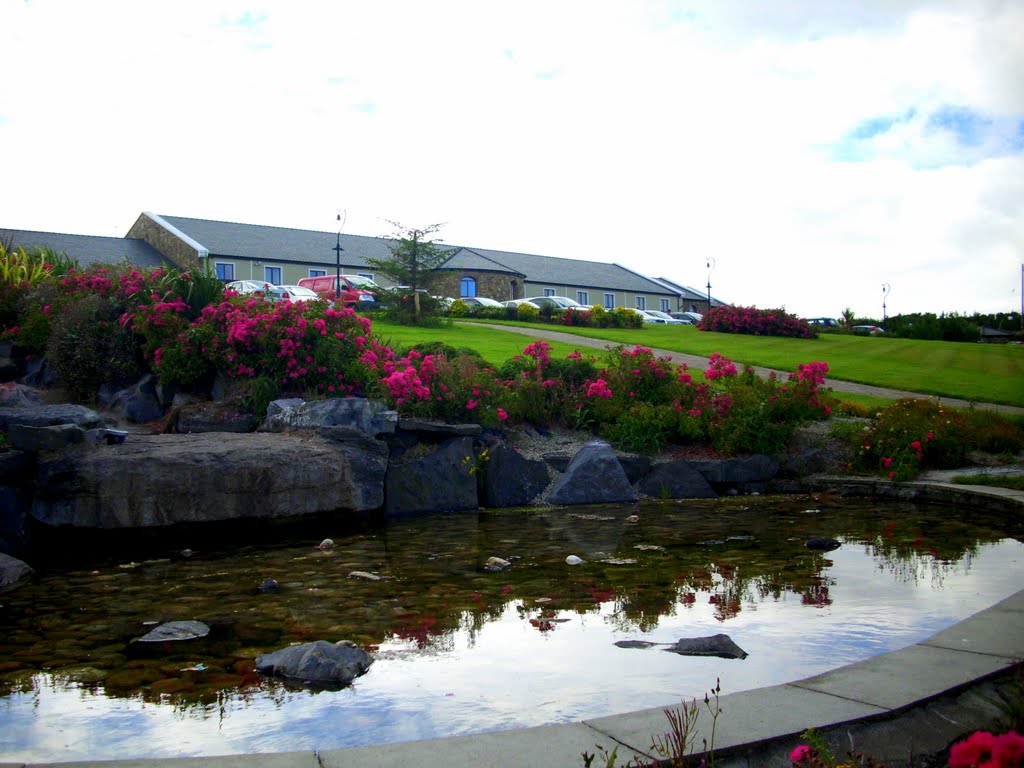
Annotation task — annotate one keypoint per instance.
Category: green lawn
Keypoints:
(992, 373)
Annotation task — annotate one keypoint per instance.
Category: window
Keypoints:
(225, 271)
(368, 276)
(549, 291)
(641, 302)
(583, 298)
(467, 287)
(664, 305)
(609, 301)
(272, 275)
(317, 273)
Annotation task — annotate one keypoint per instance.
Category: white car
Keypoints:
(299, 293)
(474, 302)
(663, 317)
(270, 291)
(552, 302)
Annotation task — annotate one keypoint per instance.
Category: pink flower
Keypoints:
(471, 404)
(502, 414)
(892, 475)
(800, 754)
(1008, 749)
(916, 445)
(972, 751)
(886, 462)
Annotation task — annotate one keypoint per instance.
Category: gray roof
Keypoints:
(88, 249)
(690, 294)
(255, 241)
(262, 243)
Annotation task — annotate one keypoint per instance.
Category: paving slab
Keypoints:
(905, 677)
(542, 745)
(997, 631)
(275, 760)
(748, 716)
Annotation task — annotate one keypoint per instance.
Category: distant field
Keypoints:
(992, 373)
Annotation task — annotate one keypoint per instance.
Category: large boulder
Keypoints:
(742, 472)
(12, 572)
(13, 395)
(442, 480)
(139, 403)
(510, 480)
(211, 416)
(48, 416)
(368, 416)
(157, 480)
(594, 476)
(320, 663)
(676, 480)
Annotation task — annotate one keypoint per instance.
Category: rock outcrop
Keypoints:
(676, 480)
(12, 572)
(158, 480)
(443, 480)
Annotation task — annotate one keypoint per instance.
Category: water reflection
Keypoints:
(461, 649)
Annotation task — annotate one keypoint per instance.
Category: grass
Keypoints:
(983, 373)
(1014, 482)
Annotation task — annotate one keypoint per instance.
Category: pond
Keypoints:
(460, 649)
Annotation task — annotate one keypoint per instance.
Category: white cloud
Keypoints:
(652, 135)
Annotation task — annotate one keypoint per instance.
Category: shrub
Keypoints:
(643, 427)
(458, 308)
(910, 435)
(755, 322)
(88, 347)
(527, 313)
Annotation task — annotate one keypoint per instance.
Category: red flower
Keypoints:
(800, 754)
(972, 751)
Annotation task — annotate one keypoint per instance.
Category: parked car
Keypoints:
(300, 293)
(688, 317)
(664, 317)
(353, 289)
(822, 322)
(474, 302)
(268, 290)
(552, 302)
(869, 330)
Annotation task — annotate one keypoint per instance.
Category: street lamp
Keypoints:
(885, 292)
(337, 261)
(710, 267)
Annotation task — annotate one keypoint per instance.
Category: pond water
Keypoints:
(460, 649)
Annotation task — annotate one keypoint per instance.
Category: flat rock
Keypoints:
(174, 631)
(720, 645)
(12, 572)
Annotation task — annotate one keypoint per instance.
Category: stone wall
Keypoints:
(492, 285)
(170, 247)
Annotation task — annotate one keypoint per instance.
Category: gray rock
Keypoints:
(441, 481)
(758, 468)
(14, 506)
(269, 585)
(594, 476)
(39, 373)
(55, 438)
(157, 480)
(173, 631)
(430, 427)
(139, 403)
(676, 480)
(213, 416)
(48, 416)
(18, 396)
(369, 416)
(511, 480)
(12, 572)
(318, 663)
(823, 544)
(634, 465)
(719, 645)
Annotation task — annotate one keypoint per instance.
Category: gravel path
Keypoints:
(696, 361)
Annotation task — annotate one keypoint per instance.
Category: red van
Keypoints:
(355, 289)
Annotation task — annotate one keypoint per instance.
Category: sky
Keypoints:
(798, 154)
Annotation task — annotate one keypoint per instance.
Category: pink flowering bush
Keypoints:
(755, 322)
(983, 750)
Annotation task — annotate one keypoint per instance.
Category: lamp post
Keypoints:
(885, 292)
(337, 261)
(710, 267)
